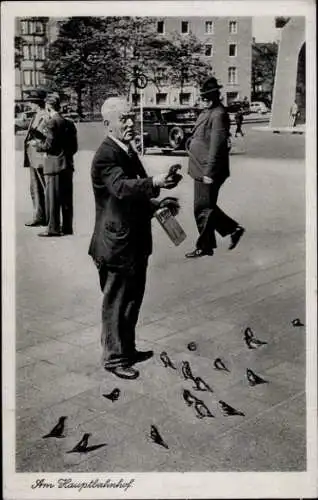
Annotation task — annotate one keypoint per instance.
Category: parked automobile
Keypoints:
(258, 107)
(166, 127)
(23, 120)
(234, 106)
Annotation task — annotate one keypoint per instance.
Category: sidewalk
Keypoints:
(211, 301)
(299, 129)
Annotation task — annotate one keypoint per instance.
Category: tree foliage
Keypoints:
(98, 56)
(264, 58)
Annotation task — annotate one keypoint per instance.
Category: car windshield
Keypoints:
(170, 115)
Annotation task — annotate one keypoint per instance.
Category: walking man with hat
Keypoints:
(209, 167)
(34, 160)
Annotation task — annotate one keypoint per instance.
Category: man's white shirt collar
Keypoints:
(119, 143)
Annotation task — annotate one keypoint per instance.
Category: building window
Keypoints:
(209, 27)
(24, 27)
(31, 27)
(160, 27)
(208, 50)
(232, 49)
(233, 27)
(27, 77)
(39, 52)
(26, 52)
(161, 98)
(232, 75)
(184, 27)
(185, 98)
(42, 79)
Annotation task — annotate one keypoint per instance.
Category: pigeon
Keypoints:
(186, 371)
(81, 446)
(156, 438)
(113, 396)
(297, 322)
(166, 360)
(189, 398)
(192, 346)
(251, 341)
(202, 410)
(200, 385)
(219, 365)
(229, 410)
(58, 429)
(254, 379)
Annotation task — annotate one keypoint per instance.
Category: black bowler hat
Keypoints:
(209, 86)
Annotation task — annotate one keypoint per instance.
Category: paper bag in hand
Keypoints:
(171, 226)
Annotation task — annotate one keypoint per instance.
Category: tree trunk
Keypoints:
(79, 100)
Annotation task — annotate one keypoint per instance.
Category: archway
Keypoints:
(300, 95)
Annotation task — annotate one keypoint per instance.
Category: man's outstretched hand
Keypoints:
(172, 203)
(169, 180)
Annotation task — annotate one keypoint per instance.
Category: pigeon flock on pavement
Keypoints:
(199, 406)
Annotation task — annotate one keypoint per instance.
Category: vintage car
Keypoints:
(166, 127)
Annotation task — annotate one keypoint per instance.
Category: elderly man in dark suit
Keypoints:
(122, 241)
(60, 146)
(35, 160)
(209, 167)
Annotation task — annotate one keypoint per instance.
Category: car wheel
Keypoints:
(176, 136)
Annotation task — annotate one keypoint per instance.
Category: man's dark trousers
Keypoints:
(123, 294)
(59, 197)
(209, 217)
(37, 190)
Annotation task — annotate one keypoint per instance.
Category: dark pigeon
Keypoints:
(254, 379)
(251, 341)
(156, 438)
(201, 385)
(113, 396)
(82, 445)
(219, 365)
(189, 398)
(229, 410)
(186, 370)
(166, 361)
(58, 429)
(192, 346)
(297, 322)
(202, 410)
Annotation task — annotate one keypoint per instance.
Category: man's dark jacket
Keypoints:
(209, 151)
(123, 193)
(60, 144)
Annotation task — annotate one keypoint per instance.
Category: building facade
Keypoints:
(227, 48)
(33, 34)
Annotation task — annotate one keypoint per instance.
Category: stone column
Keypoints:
(292, 40)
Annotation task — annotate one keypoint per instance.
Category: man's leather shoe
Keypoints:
(236, 236)
(46, 234)
(125, 372)
(35, 223)
(198, 253)
(140, 356)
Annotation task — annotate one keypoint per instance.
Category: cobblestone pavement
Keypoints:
(211, 301)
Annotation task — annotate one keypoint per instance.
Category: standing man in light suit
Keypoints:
(122, 242)
(209, 167)
(35, 160)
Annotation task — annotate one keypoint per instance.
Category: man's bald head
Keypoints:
(117, 118)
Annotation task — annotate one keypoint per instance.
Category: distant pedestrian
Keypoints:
(60, 146)
(293, 114)
(209, 167)
(35, 160)
(239, 117)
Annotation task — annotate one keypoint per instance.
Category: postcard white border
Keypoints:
(158, 485)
